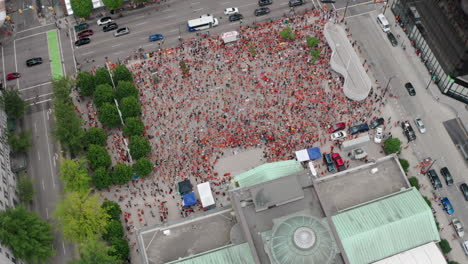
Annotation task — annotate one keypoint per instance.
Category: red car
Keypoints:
(337, 127)
(338, 161)
(13, 75)
(85, 33)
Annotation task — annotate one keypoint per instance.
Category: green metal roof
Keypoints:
(231, 254)
(386, 226)
(267, 172)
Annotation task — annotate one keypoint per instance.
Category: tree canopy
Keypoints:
(85, 82)
(13, 104)
(113, 230)
(392, 145)
(81, 8)
(104, 93)
(139, 147)
(125, 89)
(143, 167)
(96, 136)
(94, 251)
(130, 107)
(81, 217)
(121, 249)
(287, 33)
(109, 115)
(25, 189)
(102, 178)
(21, 142)
(113, 209)
(122, 173)
(101, 76)
(121, 73)
(133, 127)
(75, 175)
(28, 237)
(98, 157)
(113, 4)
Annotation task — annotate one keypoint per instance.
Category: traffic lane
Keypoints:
(9, 62)
(35, 46)
(67, 45)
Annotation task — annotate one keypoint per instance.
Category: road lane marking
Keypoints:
(283, 4)
(167, 10)
(223, 3)
(169, 16)
(40, 102)
(33, 35)
(43, 185)
(199, 9)
(142, 23)
(61, 54)
(195, 3)
(42, 95)
(63, 245)
(365, 13)
(35, 126)
(16, 64)
(116, 45)
(174, 30)
(34, 28)
(48, 148)
(38, 156)
(87, 53)
(47, 212)
(349, 6)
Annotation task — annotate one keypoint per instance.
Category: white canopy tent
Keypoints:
(206, 196)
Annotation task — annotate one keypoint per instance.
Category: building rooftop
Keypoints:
(231, 254)
(335, 193)
(385, 227)
(267, 172)
(425, 254)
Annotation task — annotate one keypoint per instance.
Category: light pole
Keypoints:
(388, 84)
(346, 9)
(430, 80)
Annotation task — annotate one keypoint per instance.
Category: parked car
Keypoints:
(295, 3)
(104, 21)
(465, 246)
(82, 41)
(376, 123)
(262, 11)
(434, 178)
(420, 125)
(110, 27)
(464, 190)
(447, 206)
(34, 61)
(264, 2)
(121, 32)
(392, 39)
(378, 135)
(458, 226)
(235, 17)
(339, 163)
(231, 10)
(337, 127)
(81, 27)
(408, 131)
(409, 87)
(85, 33)
(155, 37)
(447, 176)
(13, 75)
(338, 135)
(327, 159)
(358, 129)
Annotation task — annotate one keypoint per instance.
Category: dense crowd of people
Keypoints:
(204, 97)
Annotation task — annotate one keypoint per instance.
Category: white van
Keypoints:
(383, 22)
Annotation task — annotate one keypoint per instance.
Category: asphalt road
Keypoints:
(401, 66)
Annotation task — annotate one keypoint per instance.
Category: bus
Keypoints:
(204, 22)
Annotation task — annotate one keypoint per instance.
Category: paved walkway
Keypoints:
(345, 60)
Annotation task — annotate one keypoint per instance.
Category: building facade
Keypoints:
(439, 32)
(8, 195)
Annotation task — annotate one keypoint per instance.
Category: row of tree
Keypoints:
(83, 8)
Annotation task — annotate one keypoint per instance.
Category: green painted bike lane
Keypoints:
(54, 54)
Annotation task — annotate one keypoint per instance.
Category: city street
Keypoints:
(386, 63)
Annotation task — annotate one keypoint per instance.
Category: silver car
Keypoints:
(121, 32)
(420, 125)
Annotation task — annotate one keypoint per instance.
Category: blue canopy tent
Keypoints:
(308, 154)
(189, 199)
